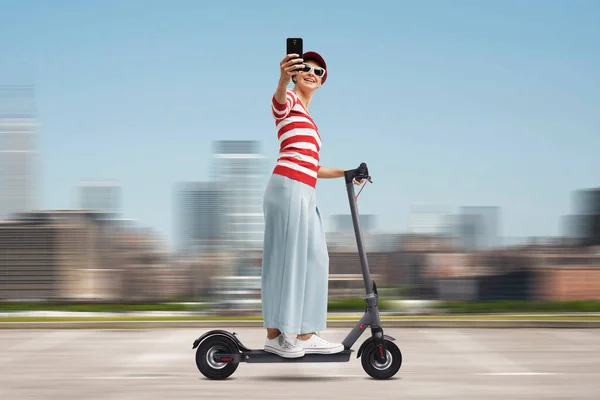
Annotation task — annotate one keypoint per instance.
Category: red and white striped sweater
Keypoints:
(299, 140)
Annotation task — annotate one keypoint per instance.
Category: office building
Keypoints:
(341, 235)
(477, 228)
(102, 196)
(239, 169)
(18, 150)
(56, 255)
(200, 217)
(430, 219)
(587, 201)
(585, 224)
(75, 255)
(342, 223)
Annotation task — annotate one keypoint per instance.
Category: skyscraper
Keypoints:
(342, 236)
(587, 207)
(477, 228)
(240, 169)
(18, 188)
(342, 223)
(102, 196)
(587, 201)
(429, 219)
(199, 217)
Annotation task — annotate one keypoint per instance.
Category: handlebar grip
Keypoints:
(362, 172)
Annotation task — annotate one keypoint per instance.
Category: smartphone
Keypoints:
(294, 46)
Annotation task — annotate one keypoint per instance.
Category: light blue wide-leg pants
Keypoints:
(295, 262)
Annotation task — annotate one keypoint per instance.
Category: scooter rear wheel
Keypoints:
(387, 369)
(204, 357)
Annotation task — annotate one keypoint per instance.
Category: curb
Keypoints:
(495, 324)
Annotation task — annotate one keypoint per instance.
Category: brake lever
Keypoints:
(367, 178)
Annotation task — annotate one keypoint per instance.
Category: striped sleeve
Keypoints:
(280, 111)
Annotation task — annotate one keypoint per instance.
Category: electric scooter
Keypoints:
(220, 352)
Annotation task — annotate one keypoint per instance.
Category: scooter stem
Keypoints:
(359, 239)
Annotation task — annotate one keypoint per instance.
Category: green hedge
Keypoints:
(511, 306)
(342, 304)
(348, 304)
(97, 307)
(353, 304)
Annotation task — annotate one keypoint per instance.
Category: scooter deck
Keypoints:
(261, 356)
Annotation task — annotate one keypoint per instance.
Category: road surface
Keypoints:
(438, 363)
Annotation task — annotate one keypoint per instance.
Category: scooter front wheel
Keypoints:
(206, 363)
(379, 370)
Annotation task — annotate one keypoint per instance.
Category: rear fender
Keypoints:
(219, 332)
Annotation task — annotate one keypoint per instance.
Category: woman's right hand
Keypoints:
(289, 66)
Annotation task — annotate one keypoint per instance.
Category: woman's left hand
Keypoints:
(356, 181)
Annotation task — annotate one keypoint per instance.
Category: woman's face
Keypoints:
(309, 80)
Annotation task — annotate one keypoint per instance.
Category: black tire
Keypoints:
(213, 369)
(391, 366)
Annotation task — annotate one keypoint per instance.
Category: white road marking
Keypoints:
(518, 373)
(578, 338)
(48, 340)
(141, 377)
(173, 347)
(468, 348)
(180, 338)
(163, 357)
(43, 341)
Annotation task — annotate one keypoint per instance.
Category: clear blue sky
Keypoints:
(457, 103)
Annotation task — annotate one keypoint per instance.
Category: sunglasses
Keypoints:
(318, 71)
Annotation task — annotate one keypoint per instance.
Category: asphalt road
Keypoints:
(438, 363)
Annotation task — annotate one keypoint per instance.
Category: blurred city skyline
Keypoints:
(443, 117)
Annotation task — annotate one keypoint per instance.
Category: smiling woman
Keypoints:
(295, 262)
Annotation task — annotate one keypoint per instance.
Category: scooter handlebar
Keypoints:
(360, 173)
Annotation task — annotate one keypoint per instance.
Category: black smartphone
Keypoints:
(294, 46)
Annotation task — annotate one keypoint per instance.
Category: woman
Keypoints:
(295, 266)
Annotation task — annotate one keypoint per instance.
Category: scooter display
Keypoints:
(219, 352)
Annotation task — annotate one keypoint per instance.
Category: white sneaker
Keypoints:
(317, 345)
(283, 347)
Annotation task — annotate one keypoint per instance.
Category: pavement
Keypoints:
(448, 363)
